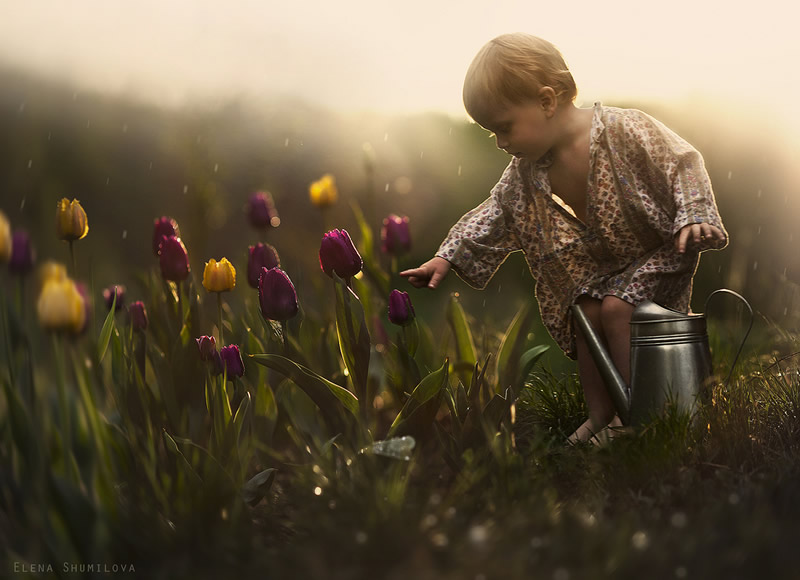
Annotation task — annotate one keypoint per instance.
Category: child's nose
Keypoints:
(502, 142)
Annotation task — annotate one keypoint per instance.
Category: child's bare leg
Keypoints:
(611, 320)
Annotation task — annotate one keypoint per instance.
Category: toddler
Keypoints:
(609, 206)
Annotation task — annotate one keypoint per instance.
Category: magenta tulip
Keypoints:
(22, 253)
(232, 359)
(207, 346)
(173, 259)
(395, 235)
(276, 295)
(261, 211)
(164, 227)
(401, 311)
(138, 315)
(260, 256)
(338, 254)
(108, 296)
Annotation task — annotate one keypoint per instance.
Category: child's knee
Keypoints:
(615, 312)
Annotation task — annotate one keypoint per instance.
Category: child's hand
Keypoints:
(429, 274)
(700, 235)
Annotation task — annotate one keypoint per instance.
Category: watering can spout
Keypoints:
(617, 389)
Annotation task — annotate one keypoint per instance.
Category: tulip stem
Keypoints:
(219, 313)
(63, 403)
(72, 258)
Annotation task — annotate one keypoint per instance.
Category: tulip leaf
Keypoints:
(354, 341)
(417, 415)
(465, 346)
(258, 486)
(172, 447)
(105, 333)
(241, 414)
(511, 347)
(328, 396)
(528, 359)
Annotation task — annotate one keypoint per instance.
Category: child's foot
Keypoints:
(589, 433)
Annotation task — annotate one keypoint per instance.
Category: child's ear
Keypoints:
(548, 100)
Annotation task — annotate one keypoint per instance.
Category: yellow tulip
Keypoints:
(324, 192)
(5, 238)
(61, 306)
(71, 221)
(219, 276)
(51, 270)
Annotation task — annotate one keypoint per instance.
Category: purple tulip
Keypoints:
(395, 235)
(261, 211)
(277, 295)
(232, 360)
(401, 311)
(207, 345)
(108, 296)
(338, 254)
(164, 227)
(138, 315)
(22, 254)
(260, 256)
(173, 259)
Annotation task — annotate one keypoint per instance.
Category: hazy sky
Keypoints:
(407, 55)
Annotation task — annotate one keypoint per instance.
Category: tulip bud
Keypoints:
(401, 311)
(232, 359)
(395, 235)
(108, 296)
(276, 295)
(138, 315)
(173, 259)
(260, 256)
(71, 221)
(261, 211)
(219, 276)
(207, 345)
(5, 238)
(61, 306)
(22, 254)
(324, 193)
(164, 227)
(338, 254)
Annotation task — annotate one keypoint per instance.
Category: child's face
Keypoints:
(521, 130)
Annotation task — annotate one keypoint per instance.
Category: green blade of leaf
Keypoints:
(105, 332)
(511, 347)
(419, 411)
(258, 486)
(354, 340)
(465, 346)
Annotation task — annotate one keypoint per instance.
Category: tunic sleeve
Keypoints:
(482, 239)
(682, 168)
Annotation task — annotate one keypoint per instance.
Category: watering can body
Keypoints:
(670, 360)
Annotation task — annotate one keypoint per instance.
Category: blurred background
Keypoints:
(185, 108)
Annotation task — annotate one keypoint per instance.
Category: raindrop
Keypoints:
(286, 142)
(459, 171)
(22, 204)
(30, 162)
(386, 188)
(49, 134)
(124, 234)
(216, 167)
(124, 127)
(361, 537)
(385, 137)
(730, 174)
(421, 154)
(88, 123)
(759, 230)
(755, 266)
(21, 107)
(450, 132)
(74, 96)
(680, 572)
(185, 189)
(108, 179)
(791, 237)
(758, 195)
(150, 167)
(785, 310)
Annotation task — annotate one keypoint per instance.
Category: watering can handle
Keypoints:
(749, 326)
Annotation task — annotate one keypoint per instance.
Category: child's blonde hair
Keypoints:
(510, 70)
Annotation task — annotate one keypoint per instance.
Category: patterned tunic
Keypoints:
(645, 184)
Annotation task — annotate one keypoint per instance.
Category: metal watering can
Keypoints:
(670, 359)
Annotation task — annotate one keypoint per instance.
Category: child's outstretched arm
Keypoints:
(702, 236)
(429, 274)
